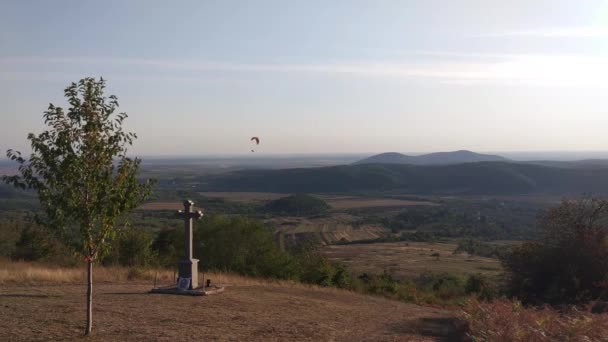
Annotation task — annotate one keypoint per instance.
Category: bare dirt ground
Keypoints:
(258, 312)
(409, 259)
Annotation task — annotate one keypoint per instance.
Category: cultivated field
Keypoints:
(364, 202)
(244, 197)
(409, 259)
(248, 310)
(337, 202)
(326, 229)
(165, 205)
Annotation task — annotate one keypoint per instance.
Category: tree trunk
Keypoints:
(89, 296)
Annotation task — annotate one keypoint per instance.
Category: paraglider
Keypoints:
(257, 142)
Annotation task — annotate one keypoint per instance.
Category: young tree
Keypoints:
(79, 168)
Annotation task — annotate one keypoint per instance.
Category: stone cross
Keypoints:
(188, 268)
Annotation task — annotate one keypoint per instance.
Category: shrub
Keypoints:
(570, 261)
(481, 286)
(504, 320)
(37, 244)
(297, 205)
(446, 287)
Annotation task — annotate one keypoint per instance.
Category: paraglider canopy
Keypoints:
(257, 142)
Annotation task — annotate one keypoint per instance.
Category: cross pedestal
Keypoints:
(188, 267)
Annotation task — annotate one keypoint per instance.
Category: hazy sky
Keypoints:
(201, 77)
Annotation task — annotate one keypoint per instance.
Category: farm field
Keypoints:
(337, 202)
(244, 197)
(363, 202)
(164, 205)
(409, 259)
(326, 230)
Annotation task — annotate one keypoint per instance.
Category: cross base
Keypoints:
(202, 291)
(189, 269)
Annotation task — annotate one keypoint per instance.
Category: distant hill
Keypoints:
(438, 158)
(578, 164)
(469, 178)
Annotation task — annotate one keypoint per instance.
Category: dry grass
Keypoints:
(26, 273)
(32, 273)
(503, 320)
(249, 310)
(409, 259)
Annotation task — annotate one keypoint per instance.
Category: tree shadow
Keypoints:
(22, 295)
(125, 293)
(446, 329)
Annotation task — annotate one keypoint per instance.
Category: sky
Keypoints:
(202, 77)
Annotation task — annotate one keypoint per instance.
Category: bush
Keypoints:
(476, 247)
(446, 287)
(10, 233)
(569, 263)
(504, 320)
(481, 286)
(134, 248)
(297, 205)
(314, 268)
(37, 244)
(240, 245)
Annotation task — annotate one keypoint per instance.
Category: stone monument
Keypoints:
(187, 282)
(188, 267)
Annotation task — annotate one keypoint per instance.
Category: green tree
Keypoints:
(80, 170)
(569, 263)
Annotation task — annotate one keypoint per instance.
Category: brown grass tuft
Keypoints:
(28, 273)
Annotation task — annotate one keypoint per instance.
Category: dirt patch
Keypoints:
(126, 312)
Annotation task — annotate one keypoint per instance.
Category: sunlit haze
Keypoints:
(202, 77)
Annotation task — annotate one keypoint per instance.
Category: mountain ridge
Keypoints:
(436, 158)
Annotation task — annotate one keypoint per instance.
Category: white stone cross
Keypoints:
(188, 268)
(187, 214)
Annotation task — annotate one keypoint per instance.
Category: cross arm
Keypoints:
(189, 215)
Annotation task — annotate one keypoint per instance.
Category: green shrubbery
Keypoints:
(480, 248)
(569, 263)
(297, 205)
(428, 288)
